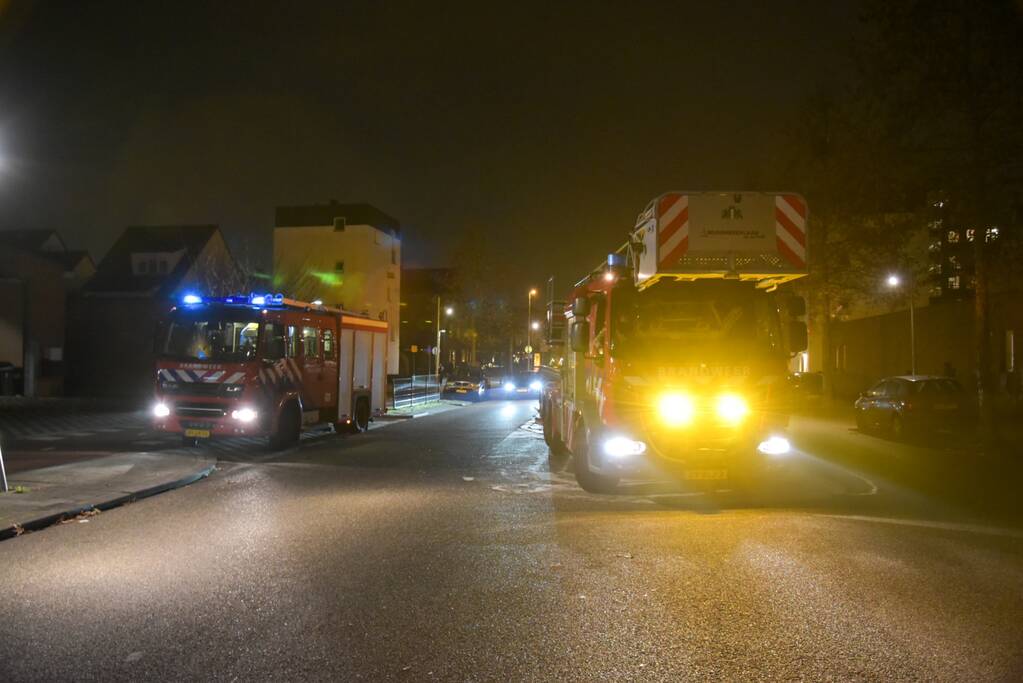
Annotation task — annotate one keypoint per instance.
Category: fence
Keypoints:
(415, 390)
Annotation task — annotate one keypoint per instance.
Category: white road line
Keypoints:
(945, 526)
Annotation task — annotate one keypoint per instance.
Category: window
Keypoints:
(970, 234)
(1010, 351)
(292, 342)
(340, 223)
(144, 267)
(394, 256)
(953, 282)
(953, 237)
(273, 341)
(310, 342)
(339, 267)
(991, 235)
(328, 344)
(161, 267)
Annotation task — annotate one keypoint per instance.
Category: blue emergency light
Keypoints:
(191, 299)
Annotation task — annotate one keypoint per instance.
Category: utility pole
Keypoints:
(436, 350)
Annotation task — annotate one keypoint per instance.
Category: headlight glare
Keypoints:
(775, 445)
(623, 447)
(509, 386)
(732, 408)
(161, 410)
(676, 409)
(244, 414)
(535, 386)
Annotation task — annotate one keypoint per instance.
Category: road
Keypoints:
(449, 548)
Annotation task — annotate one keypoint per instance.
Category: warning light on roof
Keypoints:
(257, 300)
(191, 299)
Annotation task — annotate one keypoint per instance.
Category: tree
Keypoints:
(945, 75)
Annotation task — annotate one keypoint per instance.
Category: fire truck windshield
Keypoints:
(708, 318)
(227, 337)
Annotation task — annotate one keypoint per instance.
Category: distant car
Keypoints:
(913, 405)
(463, 389)
(522, 385)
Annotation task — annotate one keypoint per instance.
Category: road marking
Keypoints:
(945, 526)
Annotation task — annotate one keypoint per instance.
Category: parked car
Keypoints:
(463, 389)
(913, 405)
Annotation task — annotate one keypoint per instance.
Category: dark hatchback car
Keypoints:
(913, 405)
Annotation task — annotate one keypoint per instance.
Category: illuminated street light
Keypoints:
(449, 311)
(535, 325)
(894, 282)
(530, 326)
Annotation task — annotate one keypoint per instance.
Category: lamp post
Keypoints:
(448, 311)
(529, 318)
(894, 282)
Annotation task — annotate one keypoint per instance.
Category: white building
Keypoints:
(346, 255)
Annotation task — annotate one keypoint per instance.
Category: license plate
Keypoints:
(706, 475)
(461, 391)
(197, 433)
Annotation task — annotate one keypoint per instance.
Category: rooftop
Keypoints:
(325, 214)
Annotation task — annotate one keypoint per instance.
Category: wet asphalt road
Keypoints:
(449, 548)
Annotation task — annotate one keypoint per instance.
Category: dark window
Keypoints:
(161, 266)
(328, 344)
(273, 341)
(292, 342)
(339, 267)
(143, 267)
(311, 342)
(340, 224)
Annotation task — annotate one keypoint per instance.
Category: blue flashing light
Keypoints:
(191, 299)
(277, 299)
(257, 300)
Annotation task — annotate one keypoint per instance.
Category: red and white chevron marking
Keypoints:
(672, 229)
(200, 376)
(282, 371)
(790, 228)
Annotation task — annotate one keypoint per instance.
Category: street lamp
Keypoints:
(448, 311)
(529, 317)
(535, 325)
(894, 282)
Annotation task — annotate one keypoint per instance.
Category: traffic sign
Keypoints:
(529, 349)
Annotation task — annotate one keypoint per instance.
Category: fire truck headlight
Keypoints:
(161, 410)
(535, 386)
(244, 414)
(775, 446)
(509, 386)
(623, 447)
(732, 408)
(676, 410)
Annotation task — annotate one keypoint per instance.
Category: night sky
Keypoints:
(543, 128)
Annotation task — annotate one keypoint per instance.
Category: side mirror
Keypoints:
(580, 336)
(581, 307)
(797, 336)
(796, 306)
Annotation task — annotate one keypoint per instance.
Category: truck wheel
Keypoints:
(556, 445)
(898, 429)
(360, 421)
(588, 480)
(289, 428)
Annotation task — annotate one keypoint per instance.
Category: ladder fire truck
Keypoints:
(679, 344)
(263, 365)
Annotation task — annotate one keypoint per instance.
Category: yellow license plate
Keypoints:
(198, 433)
(706, 475)
(461, 391)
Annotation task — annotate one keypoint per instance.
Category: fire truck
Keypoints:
(679, 344)
(267, 366)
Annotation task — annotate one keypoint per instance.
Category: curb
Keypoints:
(49, 520)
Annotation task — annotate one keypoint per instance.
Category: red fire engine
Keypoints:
(679, 344)
(264, 365)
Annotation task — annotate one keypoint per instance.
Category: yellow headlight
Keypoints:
(732, 408)
(676, 409)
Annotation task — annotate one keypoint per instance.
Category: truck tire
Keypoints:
(289, 428)
(555, 444)
(590, 482)
(360, 420)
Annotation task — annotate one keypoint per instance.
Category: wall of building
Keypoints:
(306, 261)
(32, 324)
(867, 349)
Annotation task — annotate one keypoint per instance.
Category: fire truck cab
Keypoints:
(263, 365)
(678, 345)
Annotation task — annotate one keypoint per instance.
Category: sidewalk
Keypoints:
(52, 493)
(423, 409)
